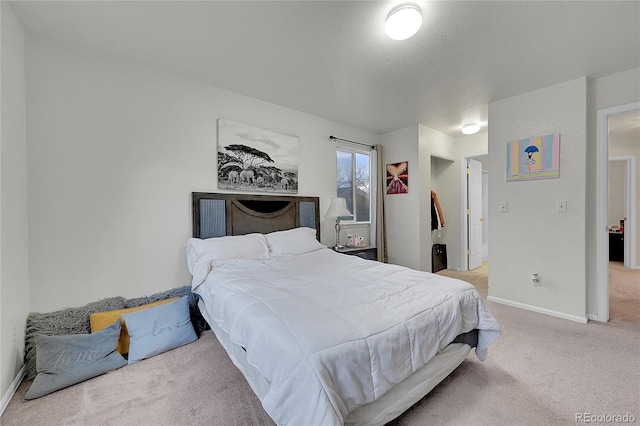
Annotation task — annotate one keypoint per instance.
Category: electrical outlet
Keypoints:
(504, 207)
(561, 206)
(535, 280)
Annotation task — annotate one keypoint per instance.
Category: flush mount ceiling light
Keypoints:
(403, 21)
(470, 129)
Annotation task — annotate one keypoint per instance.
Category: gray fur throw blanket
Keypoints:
(76, 320)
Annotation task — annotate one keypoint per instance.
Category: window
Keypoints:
(354, 183)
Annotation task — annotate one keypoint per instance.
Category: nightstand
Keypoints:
(369, 252)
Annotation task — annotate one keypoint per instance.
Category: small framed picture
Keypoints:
(398, 178)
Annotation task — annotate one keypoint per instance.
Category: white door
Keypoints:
(474, 212)
(485, 216)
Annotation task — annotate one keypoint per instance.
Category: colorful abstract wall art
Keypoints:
(534, 158)
(398, 178)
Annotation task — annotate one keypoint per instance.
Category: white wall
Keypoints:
(14, 283)
(605, 92)
(430, 142)
(115, 151)
(402, 216)
(532, 237)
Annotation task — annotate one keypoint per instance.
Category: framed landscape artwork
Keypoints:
(255, 159)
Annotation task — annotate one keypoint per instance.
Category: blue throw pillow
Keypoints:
(158, 329)
(62, 361)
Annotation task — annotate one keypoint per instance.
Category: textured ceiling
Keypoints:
(332, 59)
(625, 126)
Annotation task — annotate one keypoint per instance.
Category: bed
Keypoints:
(321, 337)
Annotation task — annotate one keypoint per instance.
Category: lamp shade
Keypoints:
(338, 208)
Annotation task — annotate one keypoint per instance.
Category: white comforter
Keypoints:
(332, 332)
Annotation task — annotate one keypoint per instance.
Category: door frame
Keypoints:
(485, 215)
(602, 208)
(464, 241)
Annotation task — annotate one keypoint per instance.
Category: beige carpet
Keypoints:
(193, 385)
(541, 371)
(479, 277)
(624, 293)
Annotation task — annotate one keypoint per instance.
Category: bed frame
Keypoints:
(218, 215)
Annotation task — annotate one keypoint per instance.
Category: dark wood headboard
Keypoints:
(219, 215)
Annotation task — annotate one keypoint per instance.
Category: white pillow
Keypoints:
(293, 241)
(250, 246)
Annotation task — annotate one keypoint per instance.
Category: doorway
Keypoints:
(602, 196)
(475, 218)
(622, 205)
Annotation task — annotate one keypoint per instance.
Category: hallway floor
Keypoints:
(624, 293)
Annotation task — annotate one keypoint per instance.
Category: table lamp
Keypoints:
(337, 209)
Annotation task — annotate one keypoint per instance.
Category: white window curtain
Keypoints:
(377, 231)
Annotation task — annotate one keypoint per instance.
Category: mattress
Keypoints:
(379, 412)
(328, 334)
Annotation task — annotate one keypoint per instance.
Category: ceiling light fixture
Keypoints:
(470, 129)
(403, 21)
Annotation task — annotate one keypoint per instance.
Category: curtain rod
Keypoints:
(333, 138)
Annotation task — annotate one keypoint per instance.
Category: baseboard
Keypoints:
(593, 317)
(538, 309)
(12, 389)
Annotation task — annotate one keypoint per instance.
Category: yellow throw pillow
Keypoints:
(100, 320)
